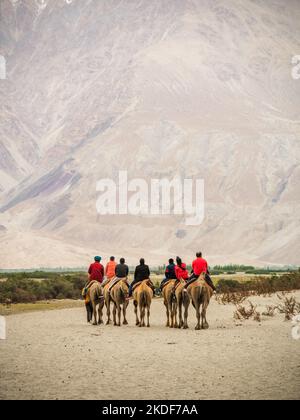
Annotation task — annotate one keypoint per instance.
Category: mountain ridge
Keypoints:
(165, 88)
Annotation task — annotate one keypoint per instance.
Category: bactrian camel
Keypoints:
(142, 297)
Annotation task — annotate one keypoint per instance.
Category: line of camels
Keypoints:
(176, 301)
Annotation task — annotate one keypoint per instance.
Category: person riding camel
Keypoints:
(121, 272)
(181, 270)
(96, 270)
(110, 269)
(95, 273)
(169, 273)
(199, 266)
(122, 269)
(142, 272)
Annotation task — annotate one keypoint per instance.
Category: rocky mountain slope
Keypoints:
(190, 88)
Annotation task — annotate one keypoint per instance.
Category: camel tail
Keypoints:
(99, 293)
(173, 297)
(185, 298)
(143, 299)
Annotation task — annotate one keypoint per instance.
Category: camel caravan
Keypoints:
(110, 287)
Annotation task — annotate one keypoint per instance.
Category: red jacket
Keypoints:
(181, 272)
(96, 272)
(200, 266)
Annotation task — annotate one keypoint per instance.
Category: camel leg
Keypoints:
(186, 304)
(107, 302)
(114, 314)
(186, 313)
(148, 316)
(180, 314)
(167, 311)
(204, 322)
(142, 316)
(171, 315)
(175, 314)
(119, 314)
(101, 306)
(137, 322)
(124, 314)
(94, 313)
(197, 307)
(100, 313)
(89, 312)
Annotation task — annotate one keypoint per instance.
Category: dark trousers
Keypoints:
(191, 280)
(209, 281)
(131, 286)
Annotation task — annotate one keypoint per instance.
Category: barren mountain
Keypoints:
(162, 88)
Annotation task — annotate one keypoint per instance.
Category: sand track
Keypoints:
(55, 354)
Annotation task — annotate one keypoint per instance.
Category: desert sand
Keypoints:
(57, 355)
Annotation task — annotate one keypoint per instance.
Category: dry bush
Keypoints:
(288, 306)
(234, 298)
(270, 310)
(242, 312)
(256, 316)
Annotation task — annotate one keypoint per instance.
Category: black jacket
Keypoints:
(122, 271)
(141, 273)
(170, 272)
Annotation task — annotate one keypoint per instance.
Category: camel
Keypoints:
(95, 297)
(119, 296)
(142, 297)
(181, 300)
(200, 293)
(170, 304)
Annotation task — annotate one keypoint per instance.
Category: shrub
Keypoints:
(288, 306)
(242, 312)
(262, 285)
(19, 289)
(270, 311)
(228, 297)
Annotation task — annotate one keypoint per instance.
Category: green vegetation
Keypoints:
(248, 269)
(36, 274)
(31, 287)
(262, 285)
(236, 268)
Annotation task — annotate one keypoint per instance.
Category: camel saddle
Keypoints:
(86, 287)
(167, 282)
(85, 290)
(139, 283)
(116, 280)
(177, 284)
